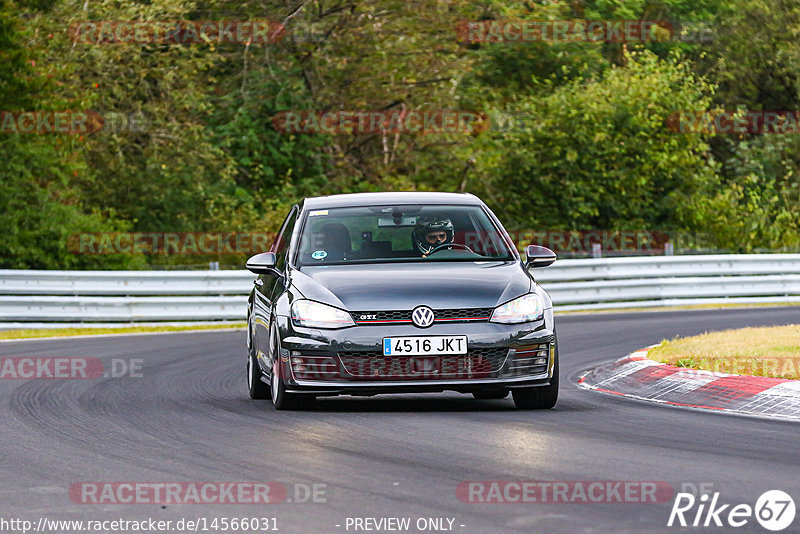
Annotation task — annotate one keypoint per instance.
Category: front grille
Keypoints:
(477, 363)
(453, 315)
(470, 314)
(530, 360)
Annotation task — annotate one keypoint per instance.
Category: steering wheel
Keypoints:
(443, 246)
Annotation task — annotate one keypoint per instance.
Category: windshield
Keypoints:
(403, 233)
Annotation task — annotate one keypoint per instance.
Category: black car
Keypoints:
(373, 293)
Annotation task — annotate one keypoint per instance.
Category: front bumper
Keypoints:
(499, 357)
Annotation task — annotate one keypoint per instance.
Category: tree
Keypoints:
(40, 204)
(599, 154)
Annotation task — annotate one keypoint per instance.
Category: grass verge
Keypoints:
(767, 351)
(61, 332)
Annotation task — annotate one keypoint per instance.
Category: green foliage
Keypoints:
(598, 154)
(574, 135)
(40, 205)
(759, 209)
(756, 56)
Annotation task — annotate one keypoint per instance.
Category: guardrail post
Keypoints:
(597, 252)
(669, 249)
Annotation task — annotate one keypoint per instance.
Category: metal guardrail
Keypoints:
(123, 296)
(141, 296)
(127, 283)
(672, 281)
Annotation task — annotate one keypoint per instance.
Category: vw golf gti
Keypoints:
(373, 293)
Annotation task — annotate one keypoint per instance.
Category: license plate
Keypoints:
(424, 346)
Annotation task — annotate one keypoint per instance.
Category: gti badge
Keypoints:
(422, 316)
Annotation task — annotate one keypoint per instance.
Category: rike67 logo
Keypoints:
(774, 510)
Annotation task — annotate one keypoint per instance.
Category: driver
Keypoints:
(431, 232)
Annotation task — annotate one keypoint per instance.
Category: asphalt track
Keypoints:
(188, 418)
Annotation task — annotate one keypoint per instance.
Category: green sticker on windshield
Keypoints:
(319, 254)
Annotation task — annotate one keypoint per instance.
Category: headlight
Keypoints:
(315, 315)
(522, 310)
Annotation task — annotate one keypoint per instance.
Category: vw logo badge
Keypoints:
(422, 316)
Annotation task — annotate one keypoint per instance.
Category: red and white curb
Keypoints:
(638, 377)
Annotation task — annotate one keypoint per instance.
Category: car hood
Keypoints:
(440, 285)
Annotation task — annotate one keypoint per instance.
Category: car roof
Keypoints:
(378, 199)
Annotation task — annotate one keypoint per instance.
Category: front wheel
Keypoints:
(283, 400)
(258, 389)
(541, 398)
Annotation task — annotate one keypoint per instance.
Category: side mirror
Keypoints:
(263, 263)
(539, 256)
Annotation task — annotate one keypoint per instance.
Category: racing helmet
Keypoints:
(427, 224)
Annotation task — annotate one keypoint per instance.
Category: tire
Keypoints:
(539, 398)
(258, 389)
(490, 395)
(277, 389)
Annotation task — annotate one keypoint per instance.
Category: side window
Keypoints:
(281, 245)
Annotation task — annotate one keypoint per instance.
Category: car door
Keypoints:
(269, 286)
